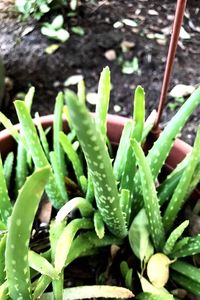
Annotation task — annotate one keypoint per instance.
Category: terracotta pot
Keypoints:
(115, 125)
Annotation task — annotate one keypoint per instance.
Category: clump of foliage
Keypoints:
(119, 200)
(55, 30)
(37, 8)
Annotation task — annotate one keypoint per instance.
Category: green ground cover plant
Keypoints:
(120, 201)
(37, 8)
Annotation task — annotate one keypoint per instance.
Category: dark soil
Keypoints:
(27, 63)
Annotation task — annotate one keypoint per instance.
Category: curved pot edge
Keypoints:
(115, 125)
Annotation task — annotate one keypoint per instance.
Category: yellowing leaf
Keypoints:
(181, 90)
(52, 48)
(158, 269)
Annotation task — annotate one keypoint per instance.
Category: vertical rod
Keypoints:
(180, 9)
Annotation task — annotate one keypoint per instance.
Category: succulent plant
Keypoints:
(118, 200)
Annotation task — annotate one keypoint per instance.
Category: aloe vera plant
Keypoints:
(99, 201)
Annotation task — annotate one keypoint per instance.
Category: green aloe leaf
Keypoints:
(65, 240)
(120, 159)
(136, 133)
(187, 270)
(58, 175)
(179, 196)
(57, 127)
(80, 203)
(40, 264)
(194, 181)
(99, 164)
(103, 102)
(164, 143)
(186, 283)
(17, 269)
(125, 204)
(40, 286)
(161, 148)
(99, 225)
(42, 135)
(8, 125)
(5, 204)
(22, 154)
(4, 291)
(36, 151)
(190, 246)
(2, 259)
(81, 91)
(151, 202)
(8, 167)
(56, 229)
(124, 268)
(174, 236)
(87, 244)
(73, 157)
(21, 166)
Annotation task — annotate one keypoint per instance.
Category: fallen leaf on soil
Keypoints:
(135, 30)
(167, 30)
(72, 80)
(73, 4)
(126, 45)
(130, 67)
(110, 55)
(129, 22)
(194, 27)
(152, 12)
(27, 30)
(78, 30)
(156, 36)
(118, 25)
(92, 98)
(181, 90)
(184, 34)
(52, 48)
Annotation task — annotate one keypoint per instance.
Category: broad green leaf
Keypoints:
(139, 237)
(57, 22)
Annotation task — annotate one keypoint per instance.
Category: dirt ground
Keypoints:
(105, 42)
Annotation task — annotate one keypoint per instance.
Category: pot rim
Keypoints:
(178, 152)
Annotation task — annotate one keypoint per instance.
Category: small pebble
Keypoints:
(117, 108)
(110, 55)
